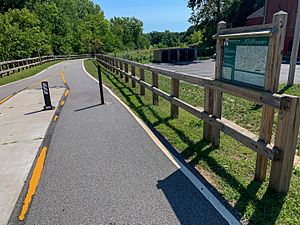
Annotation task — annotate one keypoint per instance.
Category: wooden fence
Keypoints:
(10, 67)
(281, 153)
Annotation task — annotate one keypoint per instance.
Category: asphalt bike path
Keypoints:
(102, 167)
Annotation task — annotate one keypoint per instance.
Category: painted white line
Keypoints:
(27, 78)
(197, 183)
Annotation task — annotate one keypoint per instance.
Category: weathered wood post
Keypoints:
(286, 141)
(142, 77)
(133, 84)
(112, 65)
(174, 93)
(274, 60)
(217, 95)
(126, 71)
(154, 84)
(208, 107)
(121, 67)
(117, 66)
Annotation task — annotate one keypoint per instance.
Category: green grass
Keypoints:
(230, 168)
(26, 73)
(141, 56)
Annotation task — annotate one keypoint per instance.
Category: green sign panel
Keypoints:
(245, 60)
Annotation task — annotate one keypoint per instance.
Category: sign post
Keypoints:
(47, 98)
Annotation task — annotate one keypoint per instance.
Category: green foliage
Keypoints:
(21, 35)
(39, 27)
(167, 38)
(128, 33)
(207, 13)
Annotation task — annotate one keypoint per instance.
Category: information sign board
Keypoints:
(245, 60)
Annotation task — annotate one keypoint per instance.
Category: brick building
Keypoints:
(265, 15)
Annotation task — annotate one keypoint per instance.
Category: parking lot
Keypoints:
(206, 68)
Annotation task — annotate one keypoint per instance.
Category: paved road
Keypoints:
(103, 168)
(206, 68)
(52, 73)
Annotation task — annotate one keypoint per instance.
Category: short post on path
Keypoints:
(100, 85)
(47, 98)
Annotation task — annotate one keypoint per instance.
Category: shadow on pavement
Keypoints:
(34, 112)
(88, 107)
(186, 204)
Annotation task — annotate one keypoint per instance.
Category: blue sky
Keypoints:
(159, 15)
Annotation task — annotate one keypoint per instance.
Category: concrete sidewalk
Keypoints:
(22, 126)
(102, 167)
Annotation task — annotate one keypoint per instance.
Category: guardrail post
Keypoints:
(126, 71)
(154, 84)
(142, 77)
(208, 107)
(286, 142)
(271, 84)
(133, 84)
(174, 93)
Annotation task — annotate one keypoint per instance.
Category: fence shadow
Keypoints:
(185, 204)
(267, 208)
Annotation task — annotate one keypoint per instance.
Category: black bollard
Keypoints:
(100, 85)
(47, 98)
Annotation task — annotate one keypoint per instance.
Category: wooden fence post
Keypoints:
(217, 95)
(121, 67)
(133, 84)
(174, 93)
(112, 65)
(126, 71)
(286, 142)
(142, 77)
(208, 107)
(154, 84)
(117, 66)
(274, 60)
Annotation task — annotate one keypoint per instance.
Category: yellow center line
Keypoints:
(48, 78)
(67, 93)
(5, 99)
(36, 175)
(62, 74)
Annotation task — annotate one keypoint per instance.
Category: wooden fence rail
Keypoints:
(10, 67)
(281, 154)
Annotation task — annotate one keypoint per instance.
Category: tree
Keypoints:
(128, 33)
(21, 35)
(207, 13)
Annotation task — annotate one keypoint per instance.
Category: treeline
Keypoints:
(42, 27)
(30, 28)
(207, 13)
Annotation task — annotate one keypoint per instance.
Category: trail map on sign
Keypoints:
(245, 60)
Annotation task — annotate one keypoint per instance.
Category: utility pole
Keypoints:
(295, 49)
